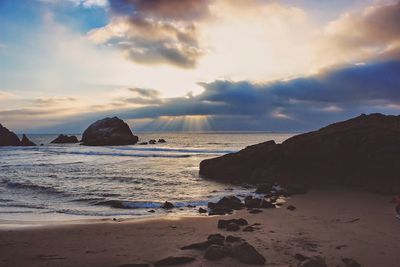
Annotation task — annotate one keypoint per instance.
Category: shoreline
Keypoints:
(334, 223)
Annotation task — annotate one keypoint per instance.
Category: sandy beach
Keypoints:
(334, 223)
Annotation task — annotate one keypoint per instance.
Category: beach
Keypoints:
(331, 222)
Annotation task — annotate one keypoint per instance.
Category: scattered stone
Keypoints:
(291, 208)
(233, 227)
(216, 239)
(26, 142)
(167, 205)
(246, 253)
(216, 252)
(108, 132)
(65, 139)
(350, 262)
(255, 211)
(174, 261)
(201, 210)
(313, 262)
(161, 140)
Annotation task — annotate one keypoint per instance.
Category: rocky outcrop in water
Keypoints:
(109, 132)
(65, 139)
(26, 142)
(8, 138)
(363, 151)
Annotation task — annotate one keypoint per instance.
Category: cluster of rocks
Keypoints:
(153, 142)
(65, 139)
(363, 152)
(217, 247)
(8, 138)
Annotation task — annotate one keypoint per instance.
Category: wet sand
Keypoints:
(334, 223)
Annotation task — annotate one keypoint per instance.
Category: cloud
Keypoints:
(52, 101)
(155, 31)
(143, 92)
(84, 3)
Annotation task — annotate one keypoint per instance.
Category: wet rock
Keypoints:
(255, 211)
(167, 205)
(267, 204)
(220, 211)
(216, 252)
(26, 142)
(232, 239)
(253, 202)
(198, 246)
(143, 143)
(231, 202)
(233, 227)
(350, 262)
(151, 211)
(152, 142)
(8, 138)
(109, 132)
(313, 262)
(161, 140)
(225, 223)
(246, 253)
(291, 208)
(65, 139)
(174, 261)
(201, 210)
(216, 239)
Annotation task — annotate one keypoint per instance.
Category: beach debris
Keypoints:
(201, 210)
(246, 253)
(174, 261)
(224, 223)
(167, 205)
(216, 252)
(65, 139)
(161, 140)
(350, 262)
(291, 208)
(315, 261)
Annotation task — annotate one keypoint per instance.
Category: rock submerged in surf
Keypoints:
(109, 132)
(65, 139)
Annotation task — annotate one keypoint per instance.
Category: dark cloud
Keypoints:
(144, 92)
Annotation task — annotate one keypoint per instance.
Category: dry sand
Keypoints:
(320, 225)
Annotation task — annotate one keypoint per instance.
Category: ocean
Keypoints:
(65, 182)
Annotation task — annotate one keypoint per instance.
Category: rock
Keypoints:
(201, 210)
(167, 205)
(174, 261)
(220, 211)
(264, 188)
(8, 138)
(198, 246)
(313, 262)
(135, 265)
(267, 204)
(232, 239)
(161, 140)
(143, 143)
(255, 211)
(231, 202)
(233, 227)
(246, 253)
(151, 211)
(109, 132)
(225, 223)
(253, 202)
(65, 139)
(216, 239)
(26, 142)
(152, 142)
(216, 252)
(363, 152)
(291, 207)
(350, 262)
(249, 229)
(300, 257)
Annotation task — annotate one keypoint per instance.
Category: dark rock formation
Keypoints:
(174, 261)
(26, 142)
(65, 139)
(8, 138)
(167, 205)
(363, 151)
(246, 253)
(233, 227)
(109, 132)
(161, 140)
(201, 210)
(143, 143)
(152, 142)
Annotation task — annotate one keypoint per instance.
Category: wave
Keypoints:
(30, 186)
(179, 150)
(95, 153)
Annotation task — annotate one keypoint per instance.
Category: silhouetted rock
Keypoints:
(363, 151)
(8, 138)
(162, 140)
(65, 139)
(246, 253)
(231, 202)
(174, 261)
(167, 205)
(348, 262)
(109, 132)
(26, 142)
(216, 252)
(313, 262)
(152, 142)
(201, 210)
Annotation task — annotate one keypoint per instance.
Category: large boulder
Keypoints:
(363, 151)
(65, 139)
(26, 142)
(109, 132)
(8, 138)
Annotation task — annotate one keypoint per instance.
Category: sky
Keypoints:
(196, 65)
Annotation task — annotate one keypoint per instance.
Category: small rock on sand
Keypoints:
(167, 205)
(291, 208)
(246, 253)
